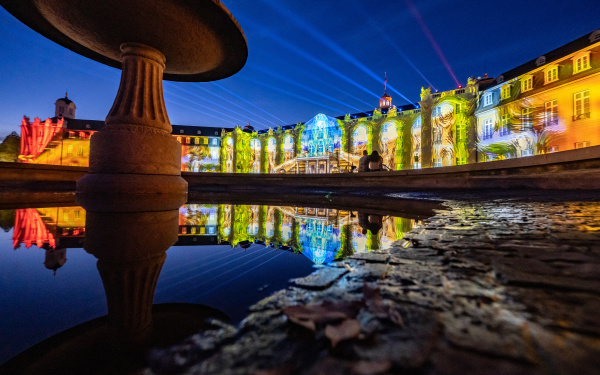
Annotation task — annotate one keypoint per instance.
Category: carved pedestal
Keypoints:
(135, 153)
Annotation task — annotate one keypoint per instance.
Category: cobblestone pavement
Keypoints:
(488, 286)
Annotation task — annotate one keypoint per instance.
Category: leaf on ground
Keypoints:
(374, 301)
(379, 308)
(310, 316)
(395, 317)
(371, 368)
(347, 329)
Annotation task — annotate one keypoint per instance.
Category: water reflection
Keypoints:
(131, 248)
(321, 234)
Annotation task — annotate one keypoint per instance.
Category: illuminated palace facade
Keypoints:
(549, 104)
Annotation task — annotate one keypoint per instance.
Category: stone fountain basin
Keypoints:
(199, 38)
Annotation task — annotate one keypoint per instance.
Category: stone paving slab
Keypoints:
(487, 286)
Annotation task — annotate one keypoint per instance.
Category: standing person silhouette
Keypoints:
(363, 163)
(375, 161)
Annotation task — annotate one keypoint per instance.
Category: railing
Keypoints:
(315, 154)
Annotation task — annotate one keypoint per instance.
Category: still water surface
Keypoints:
(225, 258)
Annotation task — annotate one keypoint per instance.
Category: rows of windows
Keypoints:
(198, 141)
(581, 62)
(581, 110)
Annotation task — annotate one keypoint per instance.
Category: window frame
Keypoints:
(505, 91)
(488, 128)
(551, 74)
(487, 99)
(527, 83)
(584, 59)
(551, 117)
(527, 118)
(584, 111)
(504, 124)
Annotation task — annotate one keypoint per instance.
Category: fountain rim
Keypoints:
(234, 43)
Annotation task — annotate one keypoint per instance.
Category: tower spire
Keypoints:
(385, 102)
(385, 84)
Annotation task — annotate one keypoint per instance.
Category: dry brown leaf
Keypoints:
(347, 329)
(374, 301)
(371, 368)
(311, 316)
(395, 317)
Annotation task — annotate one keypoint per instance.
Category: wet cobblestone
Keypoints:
(502, 286)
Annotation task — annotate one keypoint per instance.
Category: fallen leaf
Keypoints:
(347, 329)
(395, 317)
(374, 301)
(310, 316)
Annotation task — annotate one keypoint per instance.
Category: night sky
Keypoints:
(305, 58)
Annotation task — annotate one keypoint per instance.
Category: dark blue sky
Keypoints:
(306, 57)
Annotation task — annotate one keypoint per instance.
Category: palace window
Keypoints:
(437, 111)
(581, 105)
(70, 150)
(71, 134)
(551, 149)
(551, 74)
(179, 139)
(526, 118)
(505, 125)
(527, 152)
(505, 92)
(80, 151)
(581, 63)
(461, 161)
(437, 162)
(488, 128)
(527, 83)
(551, 113)
(582, 144)
(487, 99)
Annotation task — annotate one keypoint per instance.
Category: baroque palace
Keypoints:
(549, 104)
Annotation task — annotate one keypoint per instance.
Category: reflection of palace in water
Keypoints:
(321, 234)
(548, 104)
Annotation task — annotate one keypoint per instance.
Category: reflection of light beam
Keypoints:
(437, 48)
(247, 101)
(182, 281)
(309, 57)
(232, 103)
(218, 105)
(330, 43)
(238, 275)
(305, 87)
(286, 92)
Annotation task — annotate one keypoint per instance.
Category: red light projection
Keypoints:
(30, 229)
(36, 136)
